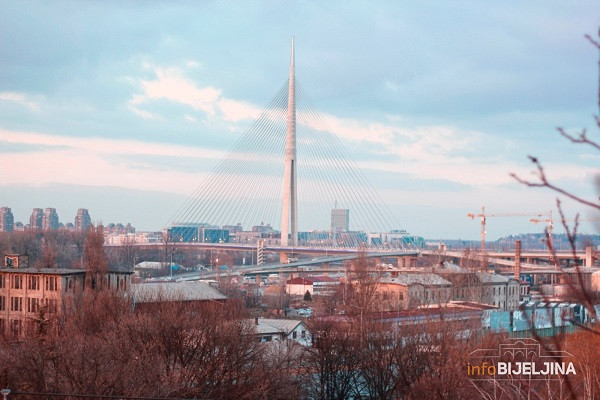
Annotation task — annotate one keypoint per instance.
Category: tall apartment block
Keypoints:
(50, 220)
(7, 220)
(82, 219)
(36, 219)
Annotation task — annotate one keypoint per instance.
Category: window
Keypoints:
(294, 335)
(2, 303)
(16, 327)
(33, 282)
(401, 296)
(17, 282)
(16, 304)
(2, 281)
(303, 334)
(494, 293)
(51, 306)
(51, 283)
(33, 305)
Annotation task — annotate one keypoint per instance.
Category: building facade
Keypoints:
(315, 285)
(37, 218)
(82, 219)
(25, 292)
(7, 220)
(340, 220)
(50, 219)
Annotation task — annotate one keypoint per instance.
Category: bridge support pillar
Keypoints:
(589, 256)
(407, 262)
(377, 260)
(258, 279)
(283, 258)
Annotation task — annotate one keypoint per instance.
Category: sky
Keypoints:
(125, 107)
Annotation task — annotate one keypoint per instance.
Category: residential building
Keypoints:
(413, 290)
(274, 330)
(82, 219)
(482, 287)
(500, 291)
(7, 220)
(25, 291)
(315, 285)
(50, 219)
(36, 219)
(340, 220)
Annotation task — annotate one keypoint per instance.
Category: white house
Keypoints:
(273, 330)
(315, 285)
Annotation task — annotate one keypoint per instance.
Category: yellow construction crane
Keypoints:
(484, 216)
(550, 222)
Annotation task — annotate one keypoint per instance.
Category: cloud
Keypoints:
(235, 110)
(429, 152)
(97, 161)
(170, 84)
(18, 98)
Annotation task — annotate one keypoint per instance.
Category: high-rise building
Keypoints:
(340, 220)
(7, 220)
(50, 220)
(36, 219)
(82, 219)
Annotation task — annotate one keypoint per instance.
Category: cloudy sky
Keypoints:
(124, 107)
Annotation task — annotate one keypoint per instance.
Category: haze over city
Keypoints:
(124, 108)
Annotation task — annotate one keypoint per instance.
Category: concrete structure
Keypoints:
(50, 219)
(82, 219)
(289, 218)
(7, 220)
(274, 330)
(340, 220)
(36, 219)
(315, 285)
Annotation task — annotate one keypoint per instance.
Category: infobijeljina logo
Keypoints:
(519, 358)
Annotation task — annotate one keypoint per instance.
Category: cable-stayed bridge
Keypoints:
(288, 184)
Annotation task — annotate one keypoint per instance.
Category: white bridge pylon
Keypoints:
(289, 216)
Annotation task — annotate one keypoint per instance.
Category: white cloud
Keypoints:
(19, 98)
(170, 84)
(235, 110)
(97, 161)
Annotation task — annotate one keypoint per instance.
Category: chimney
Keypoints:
(256, 320)
(518, 260)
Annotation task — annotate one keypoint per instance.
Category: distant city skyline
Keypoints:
(437, 103)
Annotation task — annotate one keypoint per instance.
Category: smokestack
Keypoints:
(518, 260)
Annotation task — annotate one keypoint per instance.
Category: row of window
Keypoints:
(33, 304)
(511, 290)
(33, 282)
